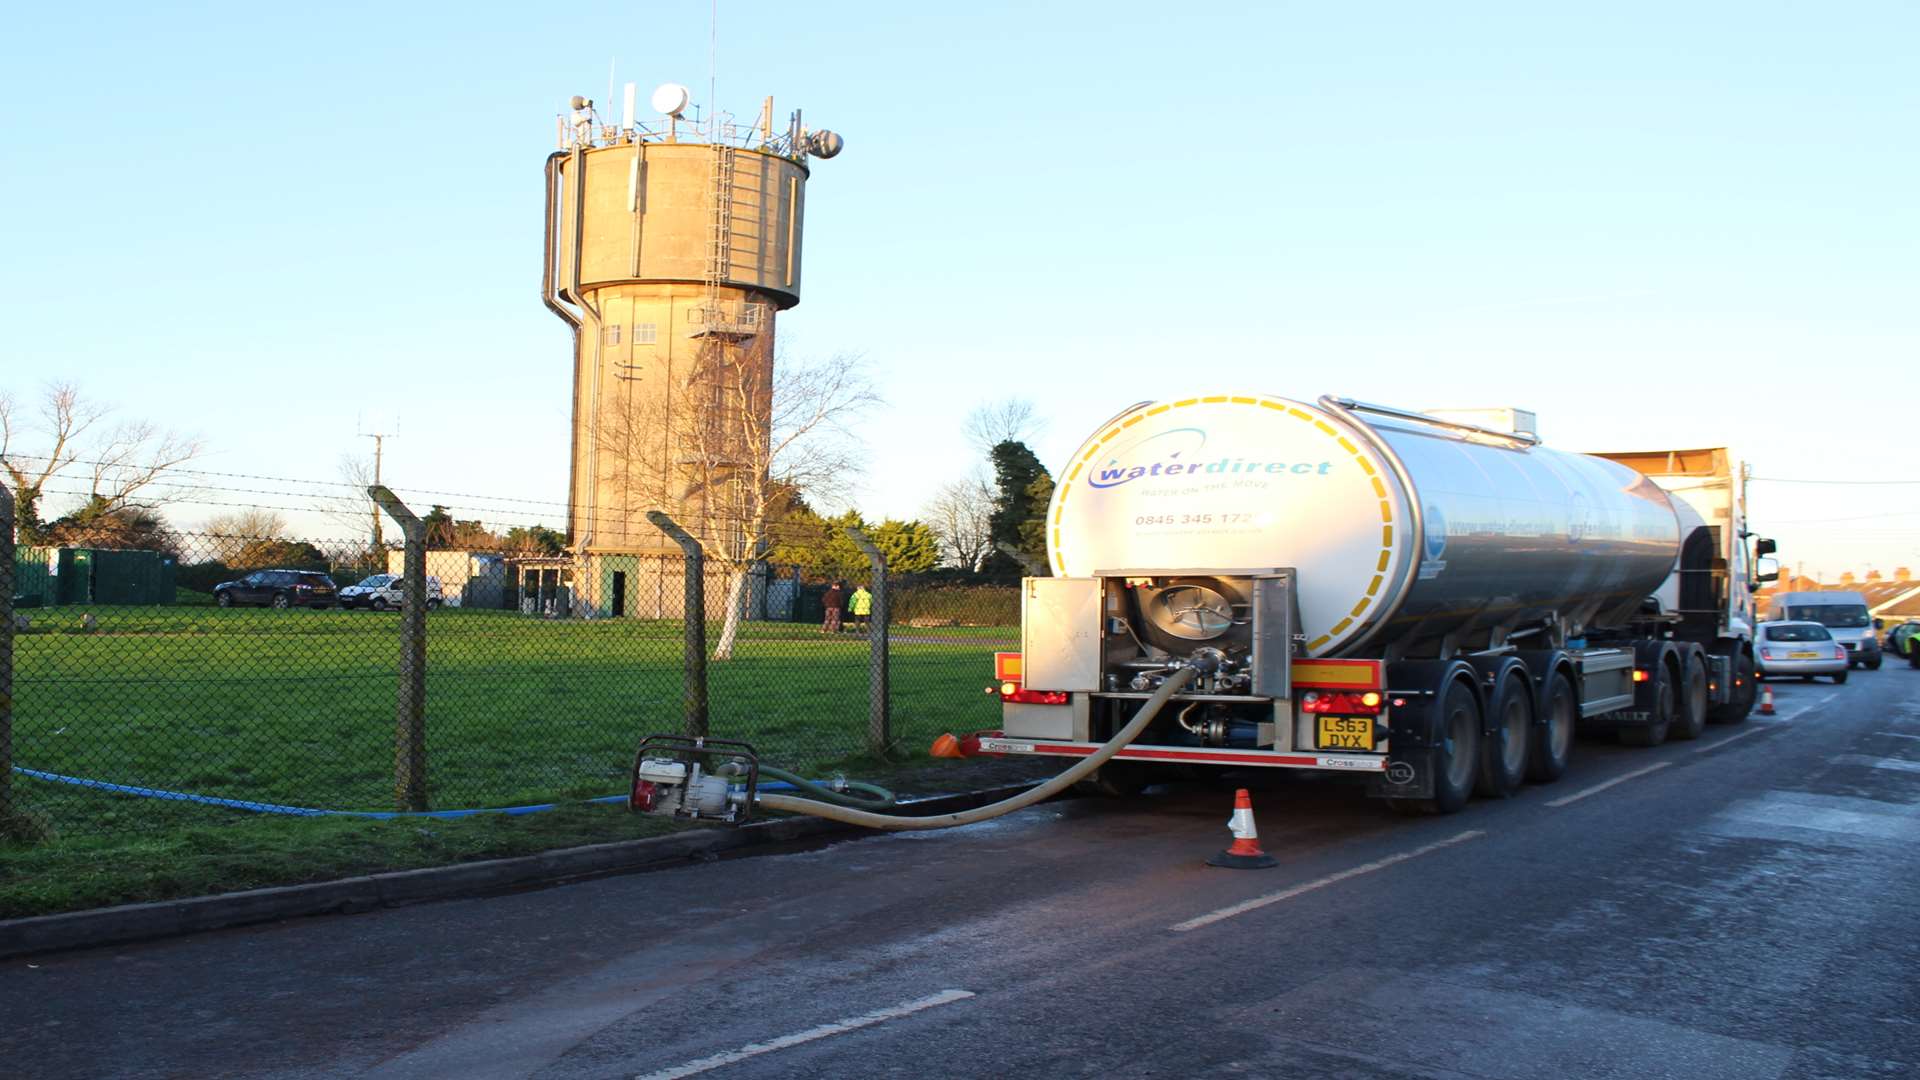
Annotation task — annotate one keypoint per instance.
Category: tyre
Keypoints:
(433, 605)
(1503, 754)
(1690, 711)
(224, 599)
(1839, 677)
(281, 602)
(1874, 664)
(1741, 703)
(379, 603)
(1456, 757)
(1654, 732)
(1550, 743)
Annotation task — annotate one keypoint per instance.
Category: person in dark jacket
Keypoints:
(835, 601)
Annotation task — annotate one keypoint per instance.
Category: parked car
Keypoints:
(277, 588)
(383, 591)
(1900, 639)
(1805, 649)
(1844, 613)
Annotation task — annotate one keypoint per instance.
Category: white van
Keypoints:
(383, 591)
(1844, 614)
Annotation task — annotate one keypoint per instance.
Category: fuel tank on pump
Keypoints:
(1401, 528)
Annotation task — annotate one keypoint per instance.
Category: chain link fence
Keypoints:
(175, 678)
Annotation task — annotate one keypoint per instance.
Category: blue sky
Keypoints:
(1653, 224)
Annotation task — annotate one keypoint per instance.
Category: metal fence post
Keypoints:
(410, 725)
(6, 654)
(694, 618)
(879, 697)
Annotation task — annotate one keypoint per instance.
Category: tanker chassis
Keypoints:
(1432, 604)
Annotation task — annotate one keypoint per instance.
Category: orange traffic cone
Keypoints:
(1766, 700)
(1245, 854)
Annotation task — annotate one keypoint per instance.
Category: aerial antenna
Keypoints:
(713, 77)
(611, 64)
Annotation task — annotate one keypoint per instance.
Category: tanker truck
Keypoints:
(1433, 604)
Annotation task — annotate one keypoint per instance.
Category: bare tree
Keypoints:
(121, 462)
(960, 515)
(228, 534)
(743, 446)
(1008, 420)
(350, 508)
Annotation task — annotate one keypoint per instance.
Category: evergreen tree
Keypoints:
(1018, 520)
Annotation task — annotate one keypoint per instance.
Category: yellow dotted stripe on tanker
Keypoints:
(1366, 466)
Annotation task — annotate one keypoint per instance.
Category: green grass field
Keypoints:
(297, 707)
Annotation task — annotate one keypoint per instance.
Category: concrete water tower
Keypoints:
(670, 246)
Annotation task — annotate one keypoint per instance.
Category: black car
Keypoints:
(277, 588)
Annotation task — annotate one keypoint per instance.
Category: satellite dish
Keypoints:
(671, 99)
(824, 144)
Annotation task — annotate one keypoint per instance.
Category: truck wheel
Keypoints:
(1654, 732)
(1740, 704)
(1503, 755)
(1690, 712)
(1550, 745)
(1456, 758)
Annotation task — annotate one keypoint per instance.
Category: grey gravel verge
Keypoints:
(168, 918)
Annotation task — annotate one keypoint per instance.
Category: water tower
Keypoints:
(670, 246)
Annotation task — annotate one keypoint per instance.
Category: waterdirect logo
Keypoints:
(1180, 452)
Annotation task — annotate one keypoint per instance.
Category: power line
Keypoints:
(1787, 480)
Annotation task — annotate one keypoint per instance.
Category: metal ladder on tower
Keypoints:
(719, 229)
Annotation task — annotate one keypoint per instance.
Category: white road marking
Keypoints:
(838, 1027)
(1598, 788)
(1897, 735)
(1722, 742)
(1257, 902)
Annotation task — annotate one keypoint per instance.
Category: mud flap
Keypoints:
(1409, 775)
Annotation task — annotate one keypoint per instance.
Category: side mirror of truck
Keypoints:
(1764, 546)
(1766, 568)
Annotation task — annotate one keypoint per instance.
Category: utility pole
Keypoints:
(379, 447)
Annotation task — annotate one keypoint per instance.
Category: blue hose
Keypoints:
(305, 811)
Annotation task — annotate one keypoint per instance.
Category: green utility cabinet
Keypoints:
(33, 581)
(109, 576)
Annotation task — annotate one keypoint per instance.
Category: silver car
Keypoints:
(1805, 649)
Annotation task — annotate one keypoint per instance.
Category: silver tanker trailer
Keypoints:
(1434, 604)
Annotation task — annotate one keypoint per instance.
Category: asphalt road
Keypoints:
(1746, 905)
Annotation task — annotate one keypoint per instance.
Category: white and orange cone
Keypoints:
(1245, 853)
(1766, 700)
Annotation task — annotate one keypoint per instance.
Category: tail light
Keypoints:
(1839, 653)
(1340, 701)
(1020, 696)
(1766, 654)
(1641, 675)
